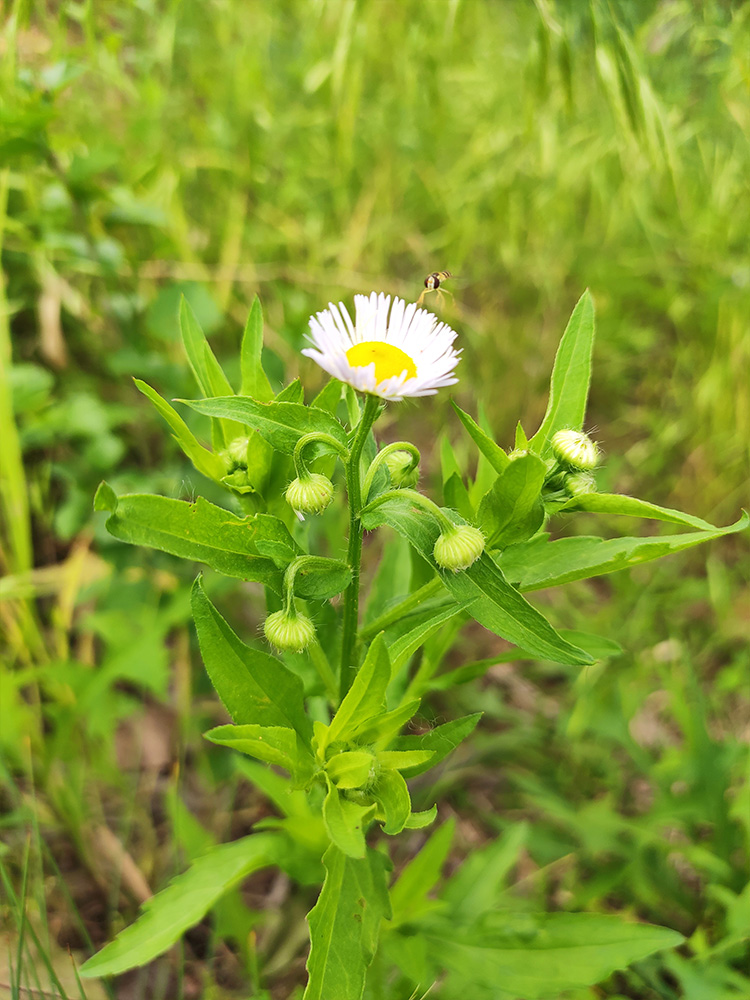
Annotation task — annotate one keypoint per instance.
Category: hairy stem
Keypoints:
(354, 555)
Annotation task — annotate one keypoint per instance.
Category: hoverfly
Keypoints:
(432, 283)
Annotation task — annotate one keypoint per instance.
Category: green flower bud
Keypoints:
(289, 631)
(400, 465)
(458, 547)
(575, 449)
(310, 494)
(578, 484)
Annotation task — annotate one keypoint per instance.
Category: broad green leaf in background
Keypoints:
(204, 460)
(456, 496)
(512, 510)
(255, 688)
(272, 744)
(345, 925)
(495, 604)
(292, 393)
(282, 424)
(571, 375)
(366, 697)
(482, 878)
(540, 956)
(184, 902)
(540, 563)
(441, 740)
(409, 893)
(491, 451)
(254, 379)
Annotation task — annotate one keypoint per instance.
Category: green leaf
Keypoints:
(456, 496)
(419, 820)
(540, 563)
(441, 740)
(491, 451)
(384, 727)
(409, 894)
(406, 645)
(207, 371)
(617, 503)
(512, 510)
(346, 822)
(322, 579)
(205, 461)
(537, 956)
(329, 397)
(254, 379)
(273, 744)
(495, 604)
(345, 925)
(571, 374)
(254, 687)
(351, 769)
(184, 902)
(282, 424)
(480, 881)
(403, 760)
(394, 800)
(366, 696)
(199, 531)
(292, 393)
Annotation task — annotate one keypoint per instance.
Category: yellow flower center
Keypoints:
(389, 360)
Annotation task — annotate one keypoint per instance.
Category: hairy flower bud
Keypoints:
(578, 484)
(289, 631)
(575, 449)
(458, 547)
(310, 494)
(403, 471)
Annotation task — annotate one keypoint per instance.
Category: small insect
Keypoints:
(432, 283)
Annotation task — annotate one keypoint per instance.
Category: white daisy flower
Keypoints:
(391, 352)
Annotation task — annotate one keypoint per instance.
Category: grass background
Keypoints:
(307, 150)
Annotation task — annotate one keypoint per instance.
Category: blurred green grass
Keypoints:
(310, 149)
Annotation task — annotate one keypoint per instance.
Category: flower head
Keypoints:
(310, 493)
(458, 547)
(575, 449)
(389, 351)
(289, 631)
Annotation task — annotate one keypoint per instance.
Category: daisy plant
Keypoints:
(330, 699)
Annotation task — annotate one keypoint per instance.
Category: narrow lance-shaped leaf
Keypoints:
(345, 925)
(254, 379)
(185, 901)
(491, 451)
(512, 510)
(272, 744)
(366, 696)
(346, 821)
(540, 563)
(571, 375)
(204, 460)
(618, 503)
(441, 741)
(409, 894)
(495, 604)
(256, 689)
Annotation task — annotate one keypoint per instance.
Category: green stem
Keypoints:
(405, 607)
(315, 437)
(419, 500)
(354, 554)
(381, 457)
